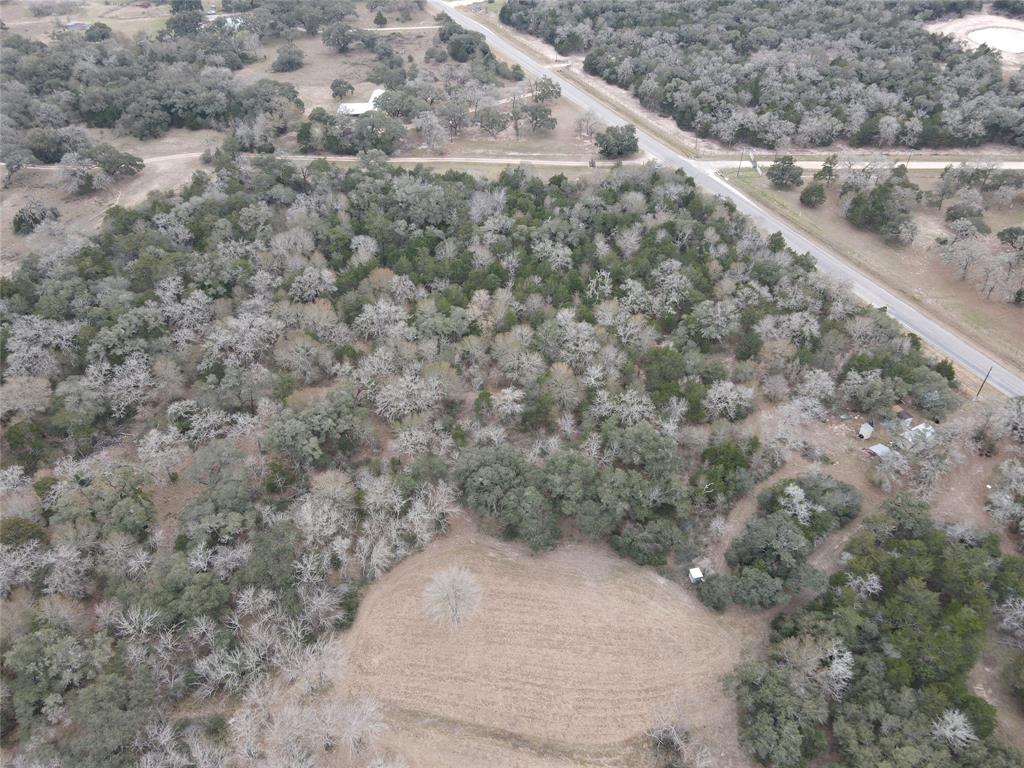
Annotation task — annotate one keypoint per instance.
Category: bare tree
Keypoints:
(451, 597)
(954, 729)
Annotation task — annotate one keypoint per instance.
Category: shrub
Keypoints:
(15, 531)
(716, 592)
(289, 58)
(813, 195)
(32, 215)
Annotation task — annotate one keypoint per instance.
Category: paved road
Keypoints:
(945, 341)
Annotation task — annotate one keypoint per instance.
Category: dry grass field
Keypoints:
(570, 657)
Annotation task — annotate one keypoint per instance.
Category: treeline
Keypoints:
(772, 73)
(874, 671)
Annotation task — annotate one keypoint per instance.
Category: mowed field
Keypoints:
(570, 658)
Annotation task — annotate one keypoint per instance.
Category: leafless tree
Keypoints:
(954, 729)
(451, 597)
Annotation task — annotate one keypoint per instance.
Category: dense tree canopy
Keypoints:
(775, 72)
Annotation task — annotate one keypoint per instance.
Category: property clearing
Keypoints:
(571, 656)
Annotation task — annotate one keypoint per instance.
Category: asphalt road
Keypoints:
(943, 340)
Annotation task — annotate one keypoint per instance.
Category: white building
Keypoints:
(696, 576)
(880, 450)
(360, 107)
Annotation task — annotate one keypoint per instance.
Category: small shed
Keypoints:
(696, 576)
(880, 450)
(361, 107)
(866, 430)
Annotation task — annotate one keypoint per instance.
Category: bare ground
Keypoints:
(988, 681)
(571, 656)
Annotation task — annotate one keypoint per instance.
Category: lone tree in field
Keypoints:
(784, 173)
(452, 596)
(618, 141)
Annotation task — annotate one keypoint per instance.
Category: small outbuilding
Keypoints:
(903, 416)
(361, 107)
(880, 450)
(696, 576)
(866, 430)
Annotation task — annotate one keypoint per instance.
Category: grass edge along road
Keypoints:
(778, 206)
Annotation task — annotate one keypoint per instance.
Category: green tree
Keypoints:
(341, 88)
(339, 36)
(540, 117)
(289, 58)
(828, 171)
(784, 173)
(618, 141)
(98, 31)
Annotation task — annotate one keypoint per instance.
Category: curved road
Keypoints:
(936, 335)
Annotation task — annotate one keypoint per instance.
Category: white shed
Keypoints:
(866, 430)
(696, 576)
(361, 107)
(880, 450)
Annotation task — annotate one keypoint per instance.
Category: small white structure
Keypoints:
(866, 430)
(361, 107)
(696, 576)
(880, 450)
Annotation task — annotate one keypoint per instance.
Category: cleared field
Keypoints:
(571, 656)
(916, 271)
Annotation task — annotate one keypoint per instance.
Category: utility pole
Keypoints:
(983, 381)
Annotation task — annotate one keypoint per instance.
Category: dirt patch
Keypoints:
(570, 657)
(988, 680)
(321, 66)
